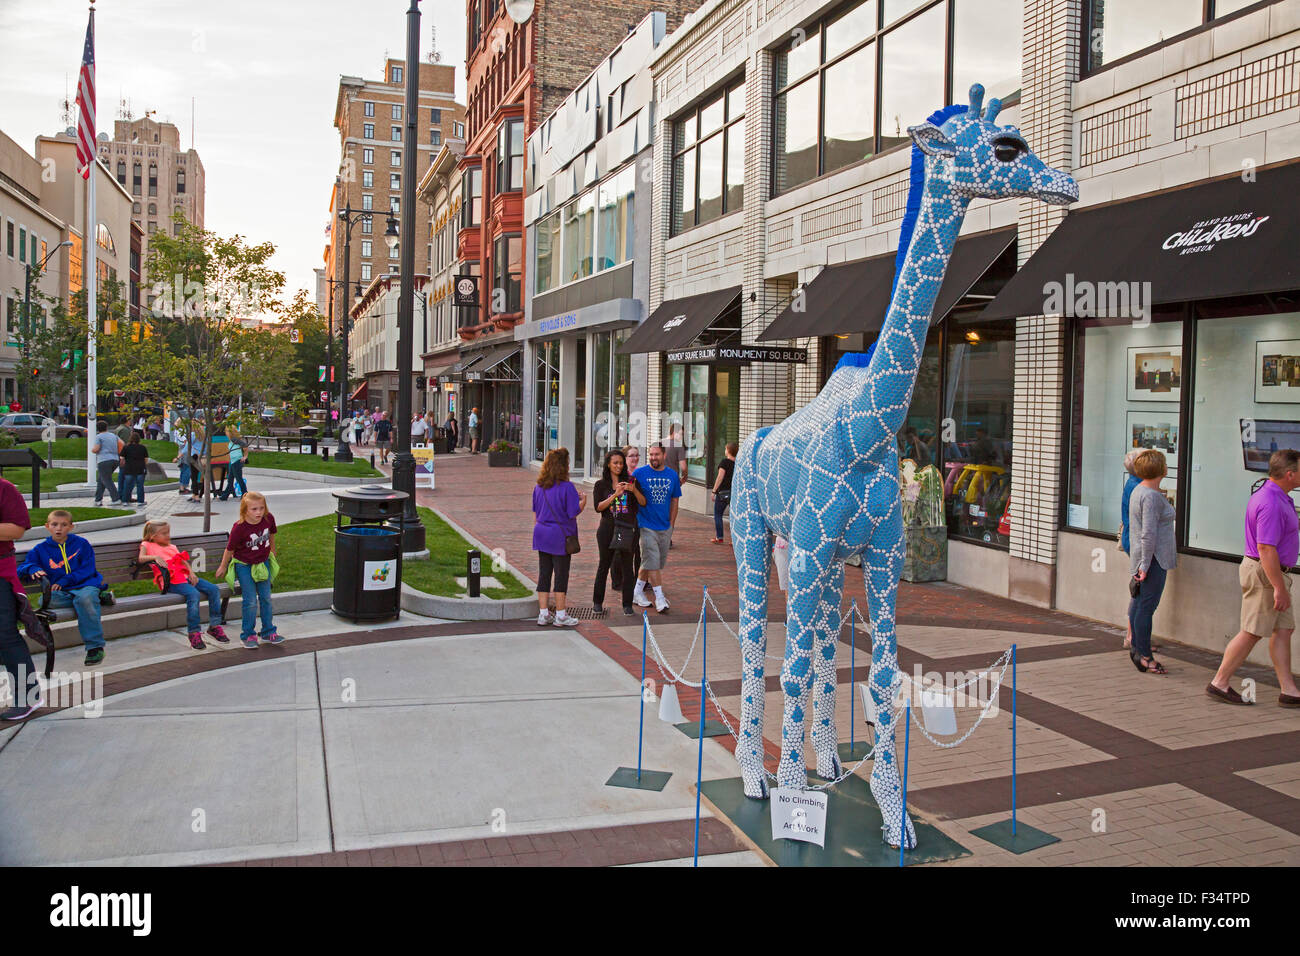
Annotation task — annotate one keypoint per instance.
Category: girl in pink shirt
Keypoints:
(157, 548)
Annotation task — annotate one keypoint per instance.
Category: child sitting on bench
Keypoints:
(157, 547)
(68, 560)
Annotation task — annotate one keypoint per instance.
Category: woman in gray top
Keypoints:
(1152, 553)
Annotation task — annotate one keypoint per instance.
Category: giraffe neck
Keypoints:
(898, 350)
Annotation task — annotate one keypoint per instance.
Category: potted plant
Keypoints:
(503, 454)
(924, 528)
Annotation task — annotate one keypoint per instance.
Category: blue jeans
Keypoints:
(235, 483)
(192, 594)
(185, 474)
(1143, 608)
(256, 595)
(129, 483)
(104, 481)
(86, 603)
(720, 503)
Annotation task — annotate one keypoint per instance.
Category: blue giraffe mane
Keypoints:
(914, 189)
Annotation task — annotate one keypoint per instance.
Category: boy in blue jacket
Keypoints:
(69, 562)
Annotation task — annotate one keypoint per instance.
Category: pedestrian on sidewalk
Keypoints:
(722, 489)
(383, 437)
(235, 483)
(418, 429)
(556, 505)
(452, 431)
(662, 488)
(358, 427)
(68, 560)
(1272, 546)
(108, 451)
(617, 498)
(473, 430)
(1153, 554)
(134, 458)
(251, 549)
(179, 578)
(1130, 483)
(184, 439)
(632, 456)
(17, 658)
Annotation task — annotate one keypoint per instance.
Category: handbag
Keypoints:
(623, 538)
(1134, 586)
(571, 543)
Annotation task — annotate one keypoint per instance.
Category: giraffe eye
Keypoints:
(1007, 150)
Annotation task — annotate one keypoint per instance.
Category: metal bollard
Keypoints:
(473, 565)
(372, 459)
(325, 453)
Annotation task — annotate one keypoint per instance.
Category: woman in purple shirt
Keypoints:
(557, 504)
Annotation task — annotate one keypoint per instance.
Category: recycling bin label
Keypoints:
(379, 575)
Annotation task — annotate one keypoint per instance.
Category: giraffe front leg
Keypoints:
(884, 562)
(826, 642)
(809, 573)
(752, 546)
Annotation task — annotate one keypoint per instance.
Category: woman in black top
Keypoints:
(722, 489)
(134, 458)
(452, 431)
(617, 497)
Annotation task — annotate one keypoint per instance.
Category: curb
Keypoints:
(486, 550)
(94, 524)
(466, 608)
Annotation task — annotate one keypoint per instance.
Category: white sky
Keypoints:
(264, 76)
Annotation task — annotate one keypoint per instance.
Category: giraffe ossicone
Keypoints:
(826, 478)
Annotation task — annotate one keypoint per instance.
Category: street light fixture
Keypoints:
(349, 217)
(390, 234)
(27, 310)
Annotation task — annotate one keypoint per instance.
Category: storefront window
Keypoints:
(615, 225)
(547, 253)
(703, 403)
(977, 407)
(1121, 27)
(580, 409)
(919, 437)
(912, 75)
(1247, 405)
(579, 236)
(603, 436)
(695, 423)
(707, 182)
(546, 393)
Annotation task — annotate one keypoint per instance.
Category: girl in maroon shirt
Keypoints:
(251, 545)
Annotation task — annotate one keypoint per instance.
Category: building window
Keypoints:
(396, 136)
(579, 235)
(366, 248)
(22, 243)
(176, 229)
(180, 180)
(394, 250)
(395, 74)
(435, 116)
(368, 156)
(506, 267)
(365, 271)
(135, 208)
(394, 204)
(397, 111)
(435, 137)
(471, 209)
(135, 178)
(121, 171)
(458, 130)
(9, 238)
(394, 180)
(368, 108)
(395, 157)
(367, 201)
(367, 226)
(703, 406)
(153, 179)
(1116, 28)
(615, 219)
(708, 177)
(368, 179)
(510, 156)
(367, 130)
(546, 253)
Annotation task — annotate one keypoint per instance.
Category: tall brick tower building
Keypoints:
(517, 75)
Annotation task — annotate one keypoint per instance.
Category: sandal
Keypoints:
(1155, 667)
(1137, 661)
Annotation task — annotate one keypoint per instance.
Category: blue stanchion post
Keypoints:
(640, 723)
(853, 683)
(1013, 740)
(704, 683)
(907, 746)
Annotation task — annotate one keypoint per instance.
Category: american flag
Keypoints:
(86, 104)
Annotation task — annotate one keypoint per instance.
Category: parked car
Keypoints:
(27, 427)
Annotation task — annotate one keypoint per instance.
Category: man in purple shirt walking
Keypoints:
(1272, 546)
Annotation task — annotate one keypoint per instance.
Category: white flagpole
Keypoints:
(90, 240)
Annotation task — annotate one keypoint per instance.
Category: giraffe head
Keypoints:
(979, 159)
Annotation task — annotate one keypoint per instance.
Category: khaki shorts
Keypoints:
(1257, 614)
(654, 549)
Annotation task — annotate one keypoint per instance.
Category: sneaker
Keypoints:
(249, 642)
(543, 617)
(598, 608)
(196, 640)
(565, 619)
(218, 634)
(661, 605)
(273, 638)
(20, 711)
(629, 610)
(94, 656)
(640, 600)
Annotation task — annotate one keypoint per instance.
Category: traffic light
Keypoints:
(36, 373)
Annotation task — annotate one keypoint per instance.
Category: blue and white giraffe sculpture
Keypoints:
(826, 478)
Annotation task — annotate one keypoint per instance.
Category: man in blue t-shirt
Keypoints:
(662, 488)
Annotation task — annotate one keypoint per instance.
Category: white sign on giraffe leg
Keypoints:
(799, 815)
(938, 711)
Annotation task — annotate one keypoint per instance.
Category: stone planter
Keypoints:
(504, 459)
(926, 558)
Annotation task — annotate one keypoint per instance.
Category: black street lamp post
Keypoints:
(349, 217)
(403, 460)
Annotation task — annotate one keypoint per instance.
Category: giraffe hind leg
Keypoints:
(752, 545)
(826, 642)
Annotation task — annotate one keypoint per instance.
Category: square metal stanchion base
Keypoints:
(1026, 838)
(712, 728)
(650, 779)
(855, 753)
(853, 834)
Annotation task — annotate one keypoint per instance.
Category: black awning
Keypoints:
(679, 322)
(854, 297)
(490, 359)
(1218, 239)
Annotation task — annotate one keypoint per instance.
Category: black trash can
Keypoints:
(307, 439)
(368, 554)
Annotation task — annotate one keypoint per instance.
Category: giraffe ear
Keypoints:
(932, 140)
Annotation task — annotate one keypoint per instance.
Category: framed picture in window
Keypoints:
(1155, 373)
(1277, 372)
(1156, 429)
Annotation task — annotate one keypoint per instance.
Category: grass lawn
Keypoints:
(39, 515)
(74, 449)
(51, 478)
(306, 550)
(291, 461)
